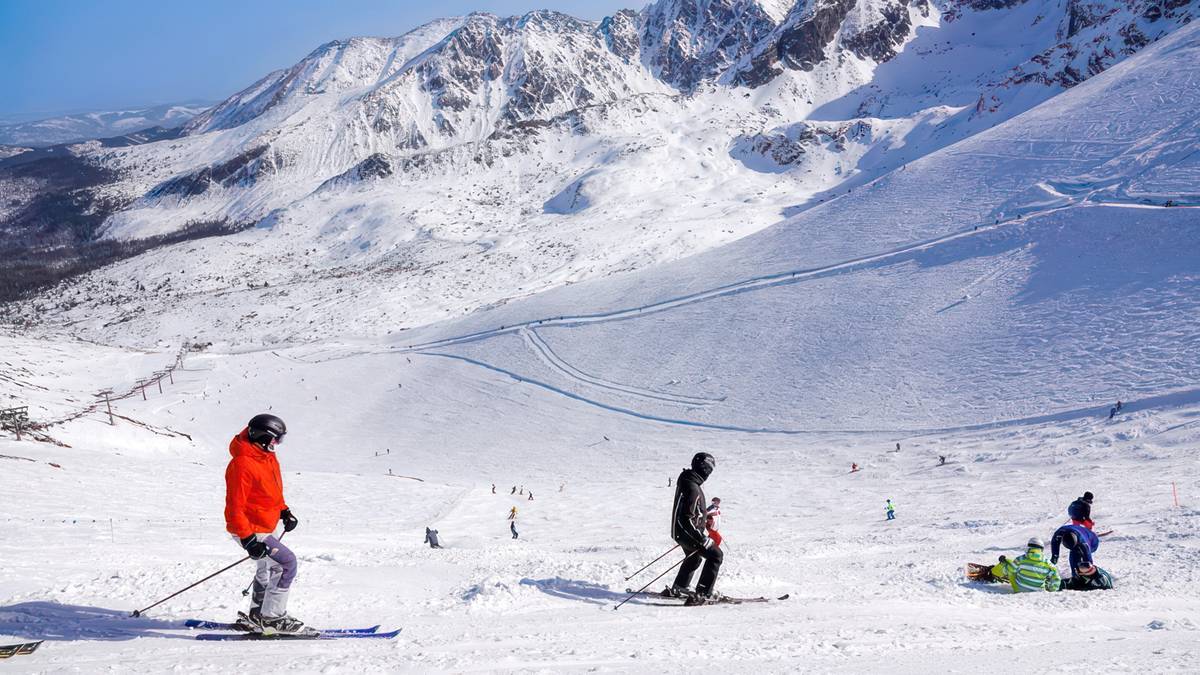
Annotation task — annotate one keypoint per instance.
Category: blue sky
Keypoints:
(74, 55)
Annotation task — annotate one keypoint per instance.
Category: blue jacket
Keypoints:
(1080, 540)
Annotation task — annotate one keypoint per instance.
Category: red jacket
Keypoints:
(253, 489)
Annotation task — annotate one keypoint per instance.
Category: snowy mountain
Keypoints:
(84, 126)
(507, 156)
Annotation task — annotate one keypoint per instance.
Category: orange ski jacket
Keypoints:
(253, 489)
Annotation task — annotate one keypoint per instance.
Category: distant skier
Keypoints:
(254, 506)
(853, 467)
(431, 538)
(514, 490)
(897, 447)
(1080, 511)
(512, 526)
(687, 529)
(668, 481)
(530, 495)
(891, 510)
(1112, 412)
(1080, 541)
(1029, 572)
(493, 488)
(941, 460)
(1119, 406)
(712, 521)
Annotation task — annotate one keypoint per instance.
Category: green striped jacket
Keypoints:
(1031, 572)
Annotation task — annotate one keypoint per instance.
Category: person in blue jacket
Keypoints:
(1079, 541)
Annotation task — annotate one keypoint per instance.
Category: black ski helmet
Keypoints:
(703, 464)
(1088, 497)
(263, 428)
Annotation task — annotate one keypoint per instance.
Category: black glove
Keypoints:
(1003, 558)
(257, 549)
(289, 521)
(1053, 560)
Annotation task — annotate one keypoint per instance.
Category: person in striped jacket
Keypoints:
(1029, 572)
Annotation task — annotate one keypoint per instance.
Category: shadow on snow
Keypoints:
(43, 620)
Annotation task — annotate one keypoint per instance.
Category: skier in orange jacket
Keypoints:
(254, 506)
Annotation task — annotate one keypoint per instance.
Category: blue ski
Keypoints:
(328, 635)
(221, 625)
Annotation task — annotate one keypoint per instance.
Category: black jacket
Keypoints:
(687, 517)
(1080, 510)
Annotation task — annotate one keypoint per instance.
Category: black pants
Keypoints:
(712, 558)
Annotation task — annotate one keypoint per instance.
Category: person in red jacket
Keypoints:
(254, 506)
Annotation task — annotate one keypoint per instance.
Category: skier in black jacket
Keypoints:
(1080, 510)
(687, 529)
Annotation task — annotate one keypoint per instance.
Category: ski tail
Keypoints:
(9, 651)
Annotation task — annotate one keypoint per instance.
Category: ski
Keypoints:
(220, 625)
(724, 598)
(233, 637)
(8, 651)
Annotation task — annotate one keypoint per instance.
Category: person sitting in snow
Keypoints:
(712, 521)
(1029, 572)
(1089, 578)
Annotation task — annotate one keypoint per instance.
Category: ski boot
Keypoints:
(248, 623)
(677, 592)
(699, 598)
(285, 625)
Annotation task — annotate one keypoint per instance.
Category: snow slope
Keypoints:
(999, 347)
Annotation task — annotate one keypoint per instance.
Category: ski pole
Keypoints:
(631, 595)
(651, 563)
(139, 612)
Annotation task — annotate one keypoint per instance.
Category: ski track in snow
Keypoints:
(539, 346)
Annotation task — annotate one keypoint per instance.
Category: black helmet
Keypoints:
(1088, 497)
(263, 428)
(703, 464)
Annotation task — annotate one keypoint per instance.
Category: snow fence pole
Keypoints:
(651, 563)
(631, 595)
